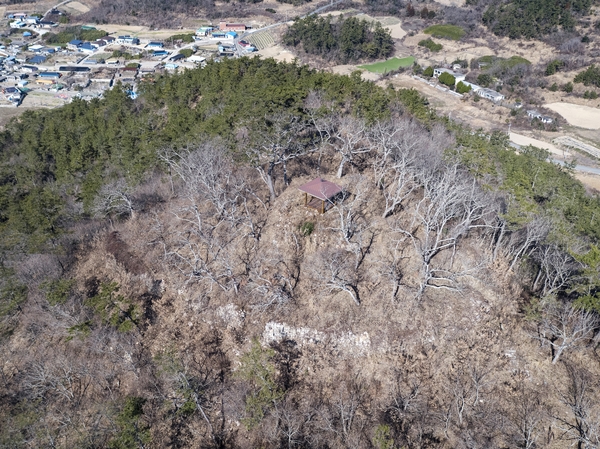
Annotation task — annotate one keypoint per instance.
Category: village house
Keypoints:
(37, 59)
(533, 114)
(87, 47)
(224, 26)
(204, 31)
(177, 57)
(36, 48)
(49, 75)
(490, 94)
(154, 44)
(457, 75)
(127, 40)
(74, 44)
(196, 59)
(47, 24)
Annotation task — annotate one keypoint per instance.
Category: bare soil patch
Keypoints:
(276, 52)
(6, 114)
(396, 30)
(534, 51)
(520, 139)
(577, 115)
(76, 7)
(589, 180)
(347, 69)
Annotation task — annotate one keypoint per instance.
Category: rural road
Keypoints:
(580, 168)
(55, 6)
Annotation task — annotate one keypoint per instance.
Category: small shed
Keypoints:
(321, 193)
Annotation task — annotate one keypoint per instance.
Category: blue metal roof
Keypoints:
(37, 59)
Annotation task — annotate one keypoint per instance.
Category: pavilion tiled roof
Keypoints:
(321, 189)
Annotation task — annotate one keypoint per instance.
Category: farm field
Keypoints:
(577, 115)
(261, 40)
(389, 65)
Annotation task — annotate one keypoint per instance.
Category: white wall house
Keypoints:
(457, 75)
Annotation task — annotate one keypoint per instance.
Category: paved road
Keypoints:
(580, 168)
(55, 6)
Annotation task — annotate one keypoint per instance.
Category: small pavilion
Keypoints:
(321, 193)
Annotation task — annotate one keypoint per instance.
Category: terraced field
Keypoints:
(261, 40)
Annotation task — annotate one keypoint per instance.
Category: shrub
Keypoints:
(58, 291)
(590, 76)
(271, 10)
(431, 45)
(186, 37)
(568, 88)
(428, 72)
(462, 88)
(484, 80)
(307, 228)
(554, 87)
(447, 79)
(187, 52)
(554, 66)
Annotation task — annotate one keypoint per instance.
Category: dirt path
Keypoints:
(522, 140)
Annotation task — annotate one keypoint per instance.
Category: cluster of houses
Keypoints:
(90, 67)
(22, 20)
(488, 94)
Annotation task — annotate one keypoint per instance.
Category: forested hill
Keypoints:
(531, 19)
(341, 39)
(163, 285)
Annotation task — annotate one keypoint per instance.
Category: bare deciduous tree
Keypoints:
(208, 177)
(556, 268)
(335, 270)
(525, 415)
(340, 416)
(396, 146)
(115, 198)
(281, 139)
(347, 136)
(565, 327)
(583, 426)
(452, 205)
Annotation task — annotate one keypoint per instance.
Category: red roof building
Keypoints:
(224, 26)
(321, 191)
